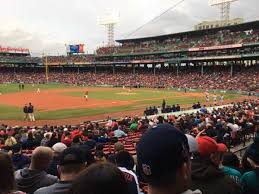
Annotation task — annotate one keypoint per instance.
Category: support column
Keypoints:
(154, 69)
(62, 70)
(78, 71)
(177, 69)
(134, 70)
(231, 70)
(113, 69)
(202, 70)
(14, 69)
(95, 68)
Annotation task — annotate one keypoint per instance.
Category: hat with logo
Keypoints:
(162, 150)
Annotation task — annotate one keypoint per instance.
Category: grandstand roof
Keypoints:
(243, 26)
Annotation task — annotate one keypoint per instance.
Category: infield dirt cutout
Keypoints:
(50, 100)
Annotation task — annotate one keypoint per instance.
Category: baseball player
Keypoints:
(86, 96)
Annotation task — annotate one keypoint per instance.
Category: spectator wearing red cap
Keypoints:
(206, 173)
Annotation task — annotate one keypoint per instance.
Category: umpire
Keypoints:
(26, 113)
(31, 112)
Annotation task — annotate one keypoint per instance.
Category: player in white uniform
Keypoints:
(221, 98)
(207, 96)
(38, 90)
(86, 96)
(215, 98)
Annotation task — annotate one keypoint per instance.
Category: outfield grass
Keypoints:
(141, 97)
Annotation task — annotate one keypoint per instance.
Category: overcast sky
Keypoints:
(47, 25)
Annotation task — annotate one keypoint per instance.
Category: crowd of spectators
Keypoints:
(245, 79)
(125, 156)
(70, 59)
(183, 42)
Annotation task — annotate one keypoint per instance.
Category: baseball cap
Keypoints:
(162, 150)
(71, 155)
(207, 146)
(59, 147)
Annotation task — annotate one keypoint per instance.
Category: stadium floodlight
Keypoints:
(224, 6)
(109, 20)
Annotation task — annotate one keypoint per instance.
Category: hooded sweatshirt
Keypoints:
(30, 180)
(210, 179)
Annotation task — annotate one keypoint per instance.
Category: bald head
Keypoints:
(41, 158)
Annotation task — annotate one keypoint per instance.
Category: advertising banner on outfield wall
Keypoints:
(216, 47)
(14, 50)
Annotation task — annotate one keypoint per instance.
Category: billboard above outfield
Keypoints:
(75, 48)
(11, 50)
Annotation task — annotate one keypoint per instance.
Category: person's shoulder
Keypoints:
(45, 190)
(18, 192)
(248, 175)
(231, 171)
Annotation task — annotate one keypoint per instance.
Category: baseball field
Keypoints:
(65, 104)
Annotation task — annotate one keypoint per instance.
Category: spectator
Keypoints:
(163, 159)
(100, 178)
(58, 148)
(19, 160)
(45, 140)
(30, 142)
(7, 183)
(125, 163)
(119, 133)
(193, 145)
(70, 165)
(206, 174)
(250, 180)
(10, 141)
(118, 146)
(53, 140)
(231, 165)
(30, 179)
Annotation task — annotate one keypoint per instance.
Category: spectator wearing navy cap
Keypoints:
(164, 160)
(206, 173)
(71, 163)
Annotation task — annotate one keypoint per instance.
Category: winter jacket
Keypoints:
(30, 180)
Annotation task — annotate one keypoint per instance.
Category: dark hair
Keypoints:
(7, 182)
(231, 160)
(99, 147)
(16, 148)
(71, 168)
(100, 178)
(124, 159)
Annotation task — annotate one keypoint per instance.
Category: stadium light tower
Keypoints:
(224, 6)
(109, 20)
